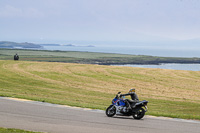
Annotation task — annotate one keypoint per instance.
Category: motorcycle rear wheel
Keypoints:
(111, 111)
(139, 114)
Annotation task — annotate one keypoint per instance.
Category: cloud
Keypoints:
(128, 20)
(9, 11)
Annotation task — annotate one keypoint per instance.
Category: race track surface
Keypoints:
(44, 117)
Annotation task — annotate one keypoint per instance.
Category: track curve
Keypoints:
(44, 117)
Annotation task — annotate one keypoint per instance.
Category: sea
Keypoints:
(172, 66)
(187, 52)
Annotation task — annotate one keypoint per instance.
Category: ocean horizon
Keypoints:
(134, 50)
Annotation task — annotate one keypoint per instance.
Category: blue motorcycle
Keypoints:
(119, 107)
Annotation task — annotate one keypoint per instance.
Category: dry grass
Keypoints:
(155, 83)
(89, 85)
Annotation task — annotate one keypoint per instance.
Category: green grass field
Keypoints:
(89, 57)
(11, 130)
(172, 93)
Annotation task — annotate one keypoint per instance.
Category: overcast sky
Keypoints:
(99, 20)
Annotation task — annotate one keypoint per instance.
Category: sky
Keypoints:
(51, 21)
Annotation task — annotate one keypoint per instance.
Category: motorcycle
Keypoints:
(119, 107)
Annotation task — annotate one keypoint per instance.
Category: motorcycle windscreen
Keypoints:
(114, 100)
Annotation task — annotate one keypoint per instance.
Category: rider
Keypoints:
(16, 57)
(134, 98)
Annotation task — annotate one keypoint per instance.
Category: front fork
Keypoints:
(113, 106)
(146, 108)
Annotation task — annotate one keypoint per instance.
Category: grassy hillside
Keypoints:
(89, 57)
(7, 44)
(170, 93)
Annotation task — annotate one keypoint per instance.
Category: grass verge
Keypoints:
(12, 130)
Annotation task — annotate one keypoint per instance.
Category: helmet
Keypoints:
(131, 90)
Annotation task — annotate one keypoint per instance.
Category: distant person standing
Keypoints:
(16, 57)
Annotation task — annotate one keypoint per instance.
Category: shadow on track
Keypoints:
(124, 117)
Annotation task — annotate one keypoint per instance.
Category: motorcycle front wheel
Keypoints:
(111, 111)
(139, 114)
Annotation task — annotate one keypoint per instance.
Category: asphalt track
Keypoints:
(44, 117)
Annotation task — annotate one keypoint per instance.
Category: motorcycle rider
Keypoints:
(16, 57)
(134, 98)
